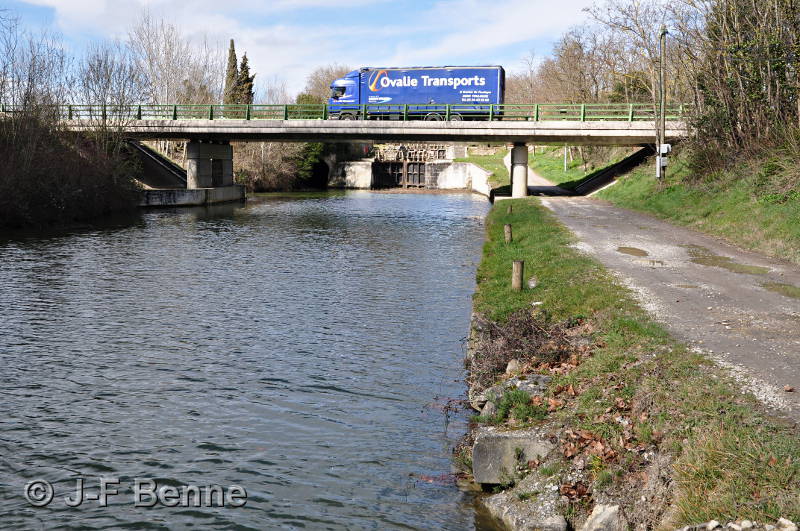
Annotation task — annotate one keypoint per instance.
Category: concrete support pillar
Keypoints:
(208, 164)
(519, 170)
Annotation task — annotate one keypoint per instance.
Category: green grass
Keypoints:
(731, 461)
(548, 162)
(732, 205)
(514, 404)
(493, 163)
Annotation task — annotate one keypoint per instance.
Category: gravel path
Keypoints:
(739, 307)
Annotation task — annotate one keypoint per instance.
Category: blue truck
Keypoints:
(423, 93)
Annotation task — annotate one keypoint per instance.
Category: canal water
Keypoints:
(299, 347)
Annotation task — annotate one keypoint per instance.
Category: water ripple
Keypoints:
(289, 346)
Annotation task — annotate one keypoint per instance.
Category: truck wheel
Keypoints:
(433, 117)
(455, 117)
(347, 116)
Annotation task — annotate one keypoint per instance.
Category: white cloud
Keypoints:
(478, 28)
(449, 31)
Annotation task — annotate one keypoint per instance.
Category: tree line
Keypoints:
(736, 62)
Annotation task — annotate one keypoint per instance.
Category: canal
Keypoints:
(300, 347)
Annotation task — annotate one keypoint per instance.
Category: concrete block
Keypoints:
(192, 197)
(354, 174)
(533, 513)
(227, 173)
(225, 194)
(497, 453)
(205, 150)
(198, 173)
(464, 175)
(605, 518)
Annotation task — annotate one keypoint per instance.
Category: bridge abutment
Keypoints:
(519, 170)
(208, 164)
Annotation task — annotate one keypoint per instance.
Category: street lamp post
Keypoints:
(662, 149)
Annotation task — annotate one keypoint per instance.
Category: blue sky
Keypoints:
(288, 38)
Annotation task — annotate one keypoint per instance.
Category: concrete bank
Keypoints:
(192, 196)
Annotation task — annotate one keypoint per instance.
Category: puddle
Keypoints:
(784, 289)
(688, 286)
(701, 255)
(633, 251)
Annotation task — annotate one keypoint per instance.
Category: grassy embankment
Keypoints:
(548, 162)
(730, 460)
(753, 206)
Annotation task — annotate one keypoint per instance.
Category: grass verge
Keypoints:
(737, 205)
(640, 394)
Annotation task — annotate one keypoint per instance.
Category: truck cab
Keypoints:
(344, 100)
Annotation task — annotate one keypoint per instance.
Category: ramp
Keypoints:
(604, 176)
(158, 171)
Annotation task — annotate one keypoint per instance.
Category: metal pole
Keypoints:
(661, 136)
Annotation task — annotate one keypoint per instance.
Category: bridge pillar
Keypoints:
(208, 164)
(519, 170)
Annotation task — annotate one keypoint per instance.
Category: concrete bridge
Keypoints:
(210, 128)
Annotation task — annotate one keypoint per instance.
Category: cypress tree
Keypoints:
(244, 83)
(231, 77)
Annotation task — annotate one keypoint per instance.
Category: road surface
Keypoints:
(739, 307)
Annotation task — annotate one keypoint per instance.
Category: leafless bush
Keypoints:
(49, 175)
(522, 337)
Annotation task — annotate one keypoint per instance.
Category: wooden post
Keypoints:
(507, 230)
(517, 271)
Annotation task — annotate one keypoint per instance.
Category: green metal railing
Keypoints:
(581, 112)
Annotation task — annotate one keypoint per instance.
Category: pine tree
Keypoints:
(244, 83)
(231, 77)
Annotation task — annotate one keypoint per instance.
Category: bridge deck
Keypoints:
(608, 124)
(573, 133)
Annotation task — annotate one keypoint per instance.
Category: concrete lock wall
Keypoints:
(354, 174)
(448, 176)
(208, 164)
(464, 175)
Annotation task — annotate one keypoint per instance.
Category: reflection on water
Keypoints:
(291, 346)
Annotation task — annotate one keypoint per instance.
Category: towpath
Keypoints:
(739, 307)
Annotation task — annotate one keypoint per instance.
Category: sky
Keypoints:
(289, 38)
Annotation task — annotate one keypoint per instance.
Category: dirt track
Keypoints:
(739, 307)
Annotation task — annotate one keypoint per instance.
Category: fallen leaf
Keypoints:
(554, 404)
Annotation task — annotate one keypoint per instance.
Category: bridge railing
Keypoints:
(582, 112)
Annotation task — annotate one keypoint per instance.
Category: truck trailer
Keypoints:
(422, 93)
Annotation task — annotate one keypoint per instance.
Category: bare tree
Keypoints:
(318, 82)
(170, 61)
